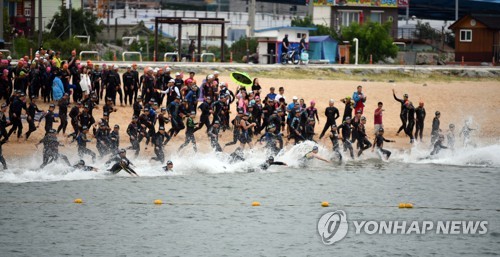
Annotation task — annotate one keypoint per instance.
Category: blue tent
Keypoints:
(323, 48)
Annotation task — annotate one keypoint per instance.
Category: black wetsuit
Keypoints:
(403, 115)
(345, 129)
(82, 146)
(334, 137)
(213, 133)
(49, 120)
(411, 123)
(2, 159)
(270, 139)
(379, 142)
(133, 133)
(420, 117)
(363, 142)
(159, 141)
(332, 114)
(205, 115)
(51, 150)
(63, 115)
(435, 130)
(438, 145)
(267, 164)
(236, 130)
(191, 126)
(119, 164)
(32, 110)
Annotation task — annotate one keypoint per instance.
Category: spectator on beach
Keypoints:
(359, 99)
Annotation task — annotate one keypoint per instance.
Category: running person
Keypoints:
(121, 163)
(191, 126)
(334, 137)
(379, 143)
(435, 128)
(363, 141)
(82, 144)
(332, 114)
(346, 135)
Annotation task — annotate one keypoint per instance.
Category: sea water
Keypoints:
(207, 205)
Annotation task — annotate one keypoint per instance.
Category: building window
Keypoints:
(376, 16)
(299, 35)
(465, 35)
(349, 17)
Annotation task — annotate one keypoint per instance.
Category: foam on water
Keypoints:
(187, 163)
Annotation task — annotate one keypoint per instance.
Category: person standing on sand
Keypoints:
(347, 108)
(332, 114)
(377, 118)
(420, 117)
(359, 99)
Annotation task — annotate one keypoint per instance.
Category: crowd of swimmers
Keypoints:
(162, 98)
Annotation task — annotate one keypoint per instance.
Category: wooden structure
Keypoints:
(477, 38)
(187, 21)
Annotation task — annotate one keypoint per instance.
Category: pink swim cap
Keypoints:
(313, 102)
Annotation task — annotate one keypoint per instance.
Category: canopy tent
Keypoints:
(323, 48)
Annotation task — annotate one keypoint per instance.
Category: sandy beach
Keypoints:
(456, 101)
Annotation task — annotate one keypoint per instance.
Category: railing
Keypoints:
(173, 54)
(92, 53)
(204, 55)
(132, 53)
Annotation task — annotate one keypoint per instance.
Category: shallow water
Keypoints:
(208, 210)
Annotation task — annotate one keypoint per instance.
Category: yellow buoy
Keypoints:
(402, 205)
(325, 204)
(408, 205)
(255, 204)
(158, 201)
(78, 200)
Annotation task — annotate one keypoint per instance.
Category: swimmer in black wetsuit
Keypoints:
(334, 137)
(346, 135)
(81, 166)
(379, 143)
(121, 163)
(438, 145)
(311, 155)
(270, 161)
(236, 156)
(169, 167)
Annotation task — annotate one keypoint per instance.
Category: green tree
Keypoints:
(374, 38)
(239, 48)
(82, 23)
(322, 30)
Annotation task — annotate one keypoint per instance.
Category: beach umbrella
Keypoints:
(241, 79)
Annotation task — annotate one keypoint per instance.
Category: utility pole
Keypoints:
(40, 29)
(456, 10)
(69, 18)
(1, 20)
(251, 17)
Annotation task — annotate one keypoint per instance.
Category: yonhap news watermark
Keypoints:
(333, 226)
